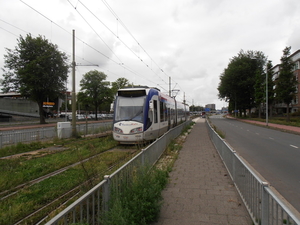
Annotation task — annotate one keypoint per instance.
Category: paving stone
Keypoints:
(200, 191)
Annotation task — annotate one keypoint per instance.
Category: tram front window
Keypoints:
(130, 109)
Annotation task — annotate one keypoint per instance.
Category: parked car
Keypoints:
(80, 117)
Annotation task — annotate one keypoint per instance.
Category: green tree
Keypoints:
(260, 81)
(36, 69)
(286, 83)
(95, 90)
(237, 82)
(118, 84)
(259, 91)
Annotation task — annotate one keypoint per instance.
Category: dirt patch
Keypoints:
(37, 153)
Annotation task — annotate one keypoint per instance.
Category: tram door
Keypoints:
(155, 112)
(153, 124)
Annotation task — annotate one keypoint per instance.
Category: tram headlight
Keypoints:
(118, 130)
(136, 130)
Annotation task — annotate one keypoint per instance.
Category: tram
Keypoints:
(143, 114)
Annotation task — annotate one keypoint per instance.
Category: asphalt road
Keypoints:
(274, 154)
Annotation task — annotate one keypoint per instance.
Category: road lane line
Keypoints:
(293, 146)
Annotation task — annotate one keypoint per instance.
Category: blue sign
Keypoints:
(207, 109)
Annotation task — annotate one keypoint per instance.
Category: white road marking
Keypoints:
(293, 146)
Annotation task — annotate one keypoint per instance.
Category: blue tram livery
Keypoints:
(143, 114)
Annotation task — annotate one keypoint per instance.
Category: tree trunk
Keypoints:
(287, 112)
(96, 110)
(270, 110)
(41, 112)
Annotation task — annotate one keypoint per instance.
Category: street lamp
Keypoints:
(267, 104)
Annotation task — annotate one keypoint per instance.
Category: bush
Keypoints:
(139, 201)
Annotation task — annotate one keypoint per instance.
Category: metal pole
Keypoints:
(170, 86)
(73, 91)
(66, 104)
(267, 98)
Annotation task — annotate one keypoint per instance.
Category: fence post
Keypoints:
(106, 193)
(264, 204)
(143, 157)
(15, 137)
(1, 140)
(234, 169)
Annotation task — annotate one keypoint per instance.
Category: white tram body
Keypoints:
(144, 114)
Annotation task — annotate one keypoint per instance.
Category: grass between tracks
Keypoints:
(138, 204)
(31, 198)
(19, 170)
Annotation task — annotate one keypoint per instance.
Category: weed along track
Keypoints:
(36, 183)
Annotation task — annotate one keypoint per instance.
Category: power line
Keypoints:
(8, 31)
(125, 27)
(110, 31)
(68, 32)
(27, 32)
(94, 31)
(117, 36)
(12, 26)
(117, 63)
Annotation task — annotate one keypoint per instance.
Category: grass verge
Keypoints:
(139, 201)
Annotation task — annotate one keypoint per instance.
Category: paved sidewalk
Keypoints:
(200, 191)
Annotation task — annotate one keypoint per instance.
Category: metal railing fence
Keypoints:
(47, 133)
(264, 204)
(89, 208)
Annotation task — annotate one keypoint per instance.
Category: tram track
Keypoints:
(8, 193)
(71, 194)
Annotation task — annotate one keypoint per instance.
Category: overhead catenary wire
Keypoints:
(120, 63)
(125, 27)
(113, 34)
(27, 32)
(69, 34)
(117, 36)
(95, 31)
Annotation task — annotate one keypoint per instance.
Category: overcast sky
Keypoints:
(148, 41)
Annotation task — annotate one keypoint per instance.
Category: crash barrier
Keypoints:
(264, 204)
(47, 133)
(89, 208)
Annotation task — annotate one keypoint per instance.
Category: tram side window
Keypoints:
(155, 111)
(163, 112)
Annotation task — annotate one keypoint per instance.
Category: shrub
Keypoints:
(139, 201)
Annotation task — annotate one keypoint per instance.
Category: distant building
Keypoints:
(13, 103)
(295, 106)
(212, 107)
